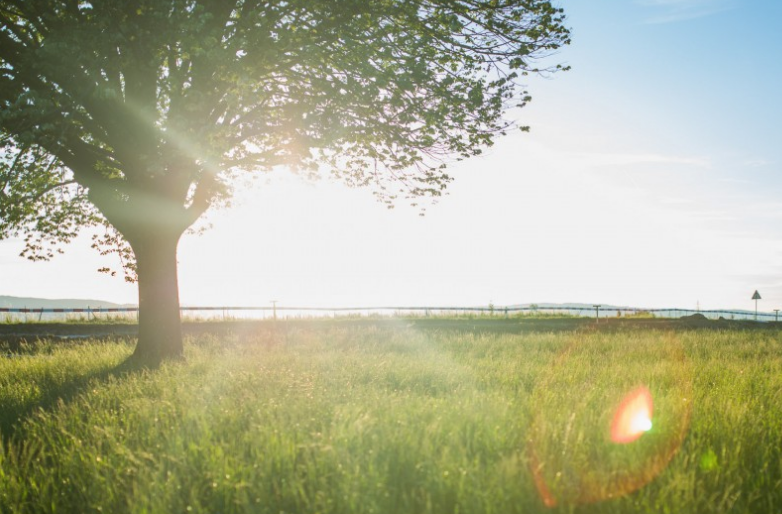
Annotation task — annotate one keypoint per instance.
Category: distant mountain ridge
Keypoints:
(611, 310)
(543, 306)
(16, 302)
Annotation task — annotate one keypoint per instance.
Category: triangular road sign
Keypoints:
(756, 296)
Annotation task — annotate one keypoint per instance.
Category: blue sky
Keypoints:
(652, 177)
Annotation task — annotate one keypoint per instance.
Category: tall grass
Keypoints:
(384, 419)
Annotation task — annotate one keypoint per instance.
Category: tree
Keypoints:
(137, 115)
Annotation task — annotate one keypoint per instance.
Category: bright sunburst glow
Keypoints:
(633, 417)
(642, 423)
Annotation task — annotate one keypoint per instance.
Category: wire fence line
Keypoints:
(261, 312)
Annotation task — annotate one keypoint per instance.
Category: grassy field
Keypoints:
(391, 417)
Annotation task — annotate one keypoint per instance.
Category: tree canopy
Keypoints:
(138, 115)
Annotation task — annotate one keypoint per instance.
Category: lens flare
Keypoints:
(593, 402)
(633, 417)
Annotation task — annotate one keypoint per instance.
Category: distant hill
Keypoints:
(15, 302)
(574, 306)
(612, 310)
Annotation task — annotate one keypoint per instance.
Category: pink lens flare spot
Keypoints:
(633, 417)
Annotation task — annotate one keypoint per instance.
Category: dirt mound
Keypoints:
(695, 320)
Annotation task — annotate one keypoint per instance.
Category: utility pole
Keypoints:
(776, 315)
(274, 309)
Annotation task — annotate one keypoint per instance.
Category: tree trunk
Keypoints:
(159, 324)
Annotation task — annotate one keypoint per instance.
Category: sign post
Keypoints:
(597, 313)
(756, 297)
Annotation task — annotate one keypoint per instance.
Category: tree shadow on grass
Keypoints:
(13, 415)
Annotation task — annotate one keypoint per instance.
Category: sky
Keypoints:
(651, 177)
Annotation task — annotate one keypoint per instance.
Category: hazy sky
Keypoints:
(652, 177)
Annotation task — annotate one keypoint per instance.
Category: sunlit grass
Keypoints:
(389, 419)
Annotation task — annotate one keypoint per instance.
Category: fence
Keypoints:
(51, 314)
